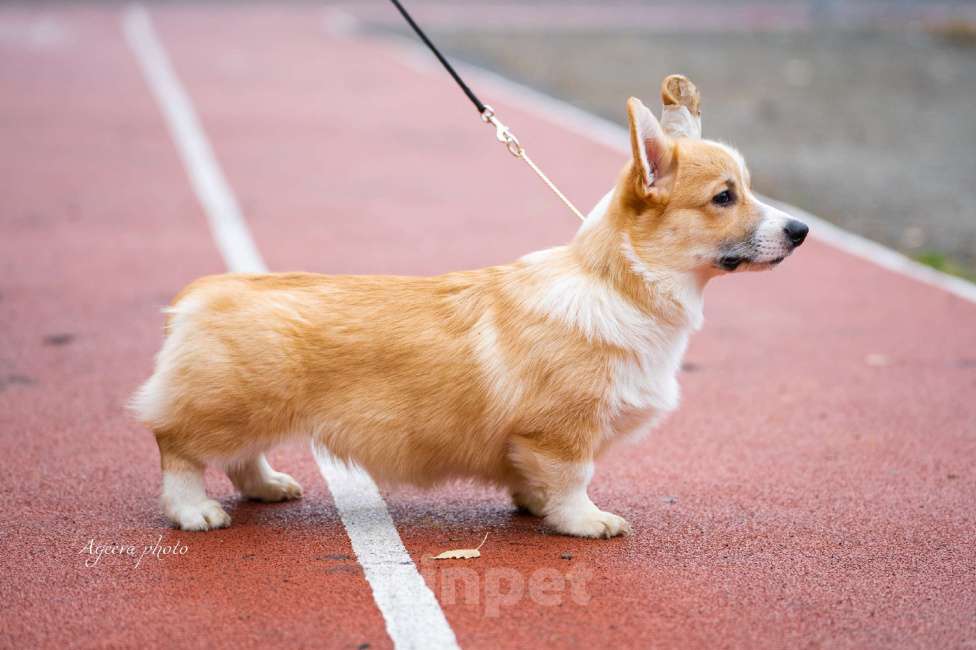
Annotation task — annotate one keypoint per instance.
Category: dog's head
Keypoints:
(686, 204)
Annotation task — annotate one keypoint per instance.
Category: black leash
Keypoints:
(502, 132)
(478, 104)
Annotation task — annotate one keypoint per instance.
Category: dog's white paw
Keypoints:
(205, 515)
(593, 523)
(278, 486)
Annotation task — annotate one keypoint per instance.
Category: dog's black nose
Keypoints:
(796, 231)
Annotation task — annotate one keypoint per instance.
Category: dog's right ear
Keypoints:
(680, 107)
(652, 148)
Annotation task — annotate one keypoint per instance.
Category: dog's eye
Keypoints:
(725, 197)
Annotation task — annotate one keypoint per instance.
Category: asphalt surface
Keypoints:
(816, 487)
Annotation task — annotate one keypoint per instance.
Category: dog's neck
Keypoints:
(672, 297)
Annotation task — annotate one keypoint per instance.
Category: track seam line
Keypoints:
(412, 614)
(615, 137)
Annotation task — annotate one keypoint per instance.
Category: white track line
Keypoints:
(413, 616)
(229, 229)
(615, 137)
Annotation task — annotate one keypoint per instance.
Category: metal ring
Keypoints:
(513, 146)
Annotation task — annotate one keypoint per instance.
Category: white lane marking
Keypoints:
(226, 222)
(413, 616)
(615, 137)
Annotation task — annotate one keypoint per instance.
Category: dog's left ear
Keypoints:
(652, 149)
(680, 107)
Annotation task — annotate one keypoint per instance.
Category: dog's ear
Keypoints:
(681, 107)
(651, 147)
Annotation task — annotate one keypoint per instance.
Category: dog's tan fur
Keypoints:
(519, 375)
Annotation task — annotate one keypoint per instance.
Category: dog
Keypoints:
(519, 375)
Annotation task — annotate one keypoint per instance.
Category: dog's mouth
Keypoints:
(732, 263)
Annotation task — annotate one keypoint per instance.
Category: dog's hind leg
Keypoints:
(256, 479)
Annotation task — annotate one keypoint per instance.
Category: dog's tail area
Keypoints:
(150, 403)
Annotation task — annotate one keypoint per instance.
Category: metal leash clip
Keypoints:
(502, 132)
(515, 148)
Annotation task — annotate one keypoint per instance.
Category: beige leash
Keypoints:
(506, 137)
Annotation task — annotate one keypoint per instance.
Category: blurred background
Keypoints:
(861, 112)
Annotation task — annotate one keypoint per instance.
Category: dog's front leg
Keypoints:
(559, 492)
(256, 479)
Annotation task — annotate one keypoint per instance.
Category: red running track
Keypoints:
(816, 487)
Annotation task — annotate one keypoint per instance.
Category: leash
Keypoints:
(502, 133)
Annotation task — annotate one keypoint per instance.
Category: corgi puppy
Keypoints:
(520, 375)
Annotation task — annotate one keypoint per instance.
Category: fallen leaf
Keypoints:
(462, 553)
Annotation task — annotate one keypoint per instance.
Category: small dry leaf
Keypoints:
(462, 553)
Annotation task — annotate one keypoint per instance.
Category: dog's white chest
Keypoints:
(644, 388)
